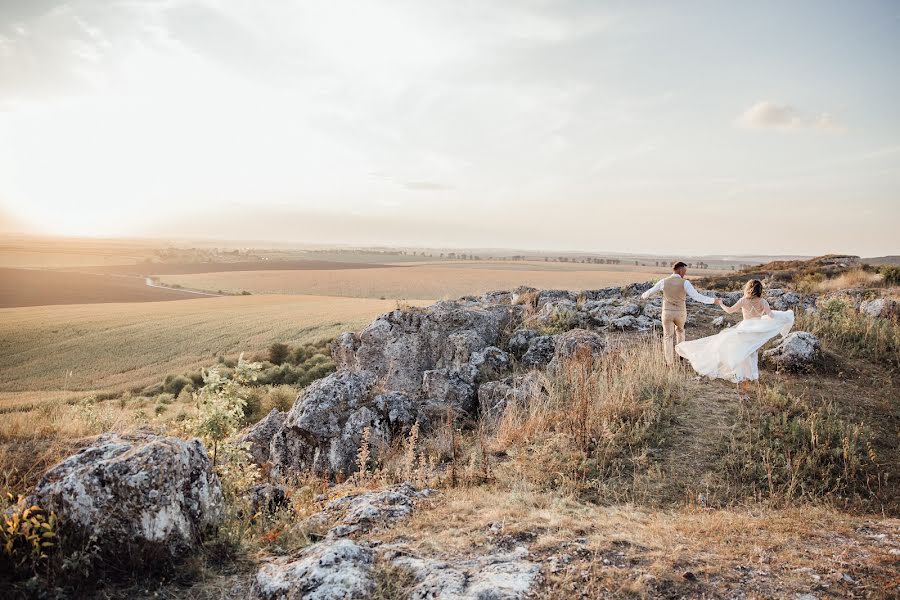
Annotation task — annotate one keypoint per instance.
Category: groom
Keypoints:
(675, 289)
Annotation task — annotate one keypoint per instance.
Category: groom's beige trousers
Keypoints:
(673, 332)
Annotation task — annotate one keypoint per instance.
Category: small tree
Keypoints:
(278, 353)
(221, 402)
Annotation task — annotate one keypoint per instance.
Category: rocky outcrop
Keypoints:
(799, 351)
(139, 495)
(267, 498)
(540, 351)
(781, 299)
(363, 512)
(329, 570)
(500, 576)
(495, 396)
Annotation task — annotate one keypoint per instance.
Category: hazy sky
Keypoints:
(701, 127)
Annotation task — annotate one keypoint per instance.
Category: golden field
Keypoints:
(119, 346)
(433, 280)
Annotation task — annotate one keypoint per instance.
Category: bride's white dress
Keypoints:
(732, 353)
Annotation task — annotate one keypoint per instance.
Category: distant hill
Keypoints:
(882, 260)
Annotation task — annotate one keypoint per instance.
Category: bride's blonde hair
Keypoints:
(753, 289)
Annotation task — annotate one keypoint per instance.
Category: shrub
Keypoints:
(173, 384)
(27, 535)
(278, 353)
(890, 274)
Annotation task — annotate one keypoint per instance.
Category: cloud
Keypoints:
(769, 115)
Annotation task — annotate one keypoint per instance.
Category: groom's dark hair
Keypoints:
(679, 265)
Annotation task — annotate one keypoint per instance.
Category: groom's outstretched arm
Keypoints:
(653, 290)
(695, 295)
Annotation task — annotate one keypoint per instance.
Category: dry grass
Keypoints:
(856, 278)
(852, 333)
(450, 280)
(124, 346)
(590, 433)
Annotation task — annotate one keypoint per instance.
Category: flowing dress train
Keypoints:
(732, 353)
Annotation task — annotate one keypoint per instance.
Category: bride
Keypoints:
(732, 354)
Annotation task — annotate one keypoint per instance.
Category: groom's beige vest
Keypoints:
(674, 295)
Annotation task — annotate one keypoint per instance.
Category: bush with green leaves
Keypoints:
(278, 353)
(221, 402)
(890, 274)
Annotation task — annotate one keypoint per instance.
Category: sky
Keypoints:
(694, 127)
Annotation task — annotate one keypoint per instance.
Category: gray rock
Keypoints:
(329, 570)
(636, 289)
(631, 308)
(343, 350)
(880, 308)
(258, 436)
(364, 512)
(523, 293)
(141, 495)
(719, 322)
(400, 346)
(520, 340)
(602, 294)
(497, 297)
(626, 322)
(545, 296)
(491, 362)
(540, 351)
(577, 343)
(800, 350)
(501, 576)
(559, 313)
(399, 408)
(495, 396)
(450, 390)
(323, 430)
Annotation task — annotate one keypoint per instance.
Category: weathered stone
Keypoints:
(545, 296)
(636, 289)
(491, 363)
(800, 350)
(495, 396)
(559, 313)
(540, 351)
(518, 343)
(880, 308)
(363, 512)
(139, 494)
(523, 293)
(343, 350)
(497, 297)
(329, 570)
(450, 389)
(601, 294)
(323, 429)
(501, 576)
(259, 436)
(399, 408)
(719, 322)
(577, 343)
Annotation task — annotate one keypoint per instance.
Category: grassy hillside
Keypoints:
(120, 346)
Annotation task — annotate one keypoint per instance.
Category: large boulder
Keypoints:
(579, 344)
(495, 396)
(558, 313)
(343, 350)
(140, 495)
(540, 351)
(798, 351)
(400, 346)
(323, 430)
(330, 570)
(601, 294)
(880, 308)
(520, 340)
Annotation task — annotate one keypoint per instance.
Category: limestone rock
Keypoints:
(363, 512)
(497, 297)
(559, 313)
(520, 340)
(800, 350)
(540, 351)
(719, 322)
(577, 343)
(880, 308)
(343, 350)
(500, 576)
(259, 436)
(267, 497)
(450, 389)
(329, 570)
(495, 396)
(602, 294)
(491, 362)
(140, 494)
(545, 296)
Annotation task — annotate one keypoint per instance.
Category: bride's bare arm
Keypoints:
(767, 310)
(732, 309)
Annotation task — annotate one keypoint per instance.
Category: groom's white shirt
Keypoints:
(688, 288)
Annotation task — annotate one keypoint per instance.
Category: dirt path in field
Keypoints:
(695, 439)
(154, 284)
